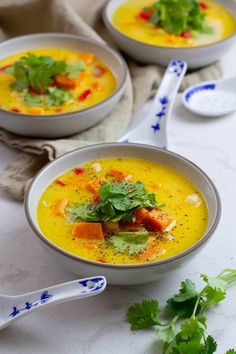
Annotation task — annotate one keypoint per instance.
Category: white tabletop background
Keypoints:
(97, 325)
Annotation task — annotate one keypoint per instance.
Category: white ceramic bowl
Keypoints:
(60, 125)
(196, 57)
(122, 274)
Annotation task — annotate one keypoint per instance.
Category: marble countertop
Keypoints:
(97, 325)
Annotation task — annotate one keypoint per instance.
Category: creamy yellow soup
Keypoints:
(92, 85)
(171, 188)
(126, 19)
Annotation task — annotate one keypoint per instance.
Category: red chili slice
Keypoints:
(98, 71)
(203, 5)
(79, 170)
(145, 15)
(3, 68)
(60, 183)
(14, 109)
(84, 95)
(187, 34)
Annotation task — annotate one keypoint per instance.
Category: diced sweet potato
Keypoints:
(88, 230)
(88, 58)
(158, 220)
(65, 82)
(95, 185)
(59, 208)
(118, 175)
(36, 110)
(153, 251)
(141, 216)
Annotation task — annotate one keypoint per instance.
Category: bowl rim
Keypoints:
(206, 236)
(104, 46)
(111, 27)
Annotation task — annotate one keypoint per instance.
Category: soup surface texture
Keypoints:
(134, 18)
(136, 227)
(53, 81)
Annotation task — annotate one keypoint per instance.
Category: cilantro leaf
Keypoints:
(215, 291)
(118, 201)
(35, 71)
(74, 70)
(57, 97)
(131, 242)
(183, 303)
(144, 315)
(231, 351)
(168, 334)
(179, 16)
(210, 346)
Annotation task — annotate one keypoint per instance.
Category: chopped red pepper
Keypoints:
(145, 15)
(3, 68)
(98, 71)
(203, 5)
(84, 95)
(14, 109)
(187, 34)
(96, 198)
(60, 183)
(33, 90)
(79, 170)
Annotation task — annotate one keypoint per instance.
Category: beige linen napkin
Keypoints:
(82, 17)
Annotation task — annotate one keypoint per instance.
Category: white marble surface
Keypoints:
(97, 325)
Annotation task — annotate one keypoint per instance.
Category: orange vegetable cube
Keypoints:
(153, 251)
(88, 58)
(88, 230)
(36, 110)
(158, 220)
(95, 185)
(65, 82)
(59, 208)
(141, 216)
(118, 175)
(97, 86)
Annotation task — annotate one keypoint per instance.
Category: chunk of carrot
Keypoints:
(118, 175)
(65, 82)
(94, 186)
(88, 58)
(36, 110)
(88, 230)
(158, 220)
(60, 206)
(153, 251)
(97, 86)
(141, 216)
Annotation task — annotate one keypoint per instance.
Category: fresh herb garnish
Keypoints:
(188, 307)
(130, 242)
(53, 97)
(178, 16)
(118, 201)
(73, 70)
(35, 71)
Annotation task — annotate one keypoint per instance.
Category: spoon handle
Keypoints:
(23, 304)
(153, 129)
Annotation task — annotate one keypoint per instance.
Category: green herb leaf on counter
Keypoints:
(187, 308)
(144, 315)
(118, 201)
(130, 242)
(179, 16)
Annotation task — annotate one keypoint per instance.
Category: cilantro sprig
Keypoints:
(178, 16)
(118, 201)
(186, 331)
(130, 242)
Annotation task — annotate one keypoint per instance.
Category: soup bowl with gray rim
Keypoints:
(122, 274)
(196, 57)
(65, 124)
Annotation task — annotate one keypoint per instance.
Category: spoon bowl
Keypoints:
(211, 98)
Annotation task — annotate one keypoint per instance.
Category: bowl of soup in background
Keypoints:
(122, 273)
(150, 53)
(69, 122)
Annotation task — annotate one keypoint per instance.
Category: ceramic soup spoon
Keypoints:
(153, 129)
(14, 307)
(211, 98)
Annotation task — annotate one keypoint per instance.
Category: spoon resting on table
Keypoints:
(153, 129)
(15, 307)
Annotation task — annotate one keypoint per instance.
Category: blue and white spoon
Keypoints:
(153, 128)
(211, 98)
(13, 308)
